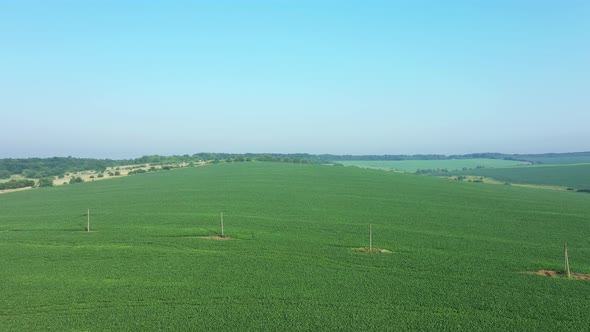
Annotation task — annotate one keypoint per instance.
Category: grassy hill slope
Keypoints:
(456, 250)
(574, 176)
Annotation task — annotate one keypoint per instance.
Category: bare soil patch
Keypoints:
(379, 250)
(215, 238)
(561, 274)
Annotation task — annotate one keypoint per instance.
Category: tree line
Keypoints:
(37, 168)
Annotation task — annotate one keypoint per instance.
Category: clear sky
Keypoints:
(111, 78)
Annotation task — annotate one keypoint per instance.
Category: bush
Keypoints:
(117, 173)
(137, 171)
(76, 179)
(583, 190)
(100, 175)
(4, 174)
(46, 182)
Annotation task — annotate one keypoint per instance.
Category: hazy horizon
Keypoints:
(106, 79)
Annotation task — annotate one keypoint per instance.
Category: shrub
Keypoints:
(117, 173)
(100, 175)
(4, 174)
(46, 182)
(76, 179)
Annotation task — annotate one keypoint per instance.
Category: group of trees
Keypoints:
(430, 171)
(36, 168)
(15, 184)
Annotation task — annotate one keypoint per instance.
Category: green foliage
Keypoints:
(44, 167)
(137, 171)
(46, 182)
(4, 174)
(15, 184)
(100, 175)
(429, 171)
(76, 179)
(117, 173)
(457, 250)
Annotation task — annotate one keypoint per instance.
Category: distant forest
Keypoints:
(37, 168)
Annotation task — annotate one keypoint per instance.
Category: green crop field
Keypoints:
(574, 176)
(449, 164)
(458, 251)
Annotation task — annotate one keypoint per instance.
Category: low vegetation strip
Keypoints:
(572, 176)
(291, 264)
(450, 165)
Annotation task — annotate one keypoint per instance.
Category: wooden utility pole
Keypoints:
(88, 227)
(567, 261)
(370, 237)
(222, 224)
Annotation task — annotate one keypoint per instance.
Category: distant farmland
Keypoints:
(573, 176)
(449, 164)
(459, 253)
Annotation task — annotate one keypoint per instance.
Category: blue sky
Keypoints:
(118, 79)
